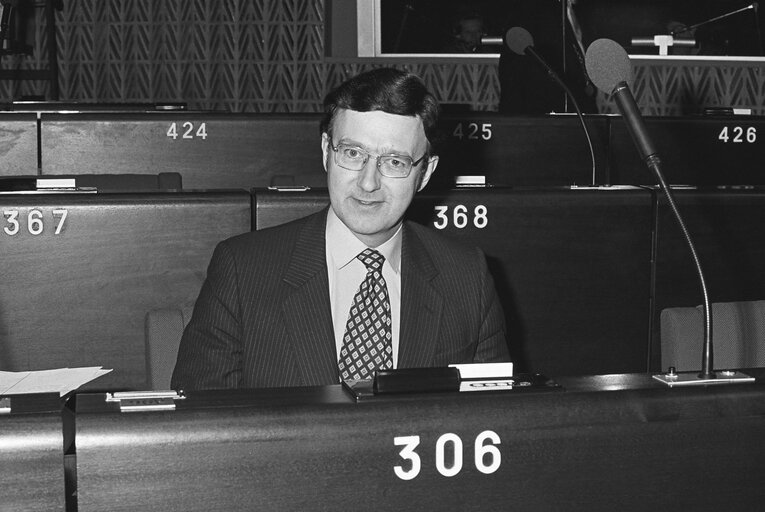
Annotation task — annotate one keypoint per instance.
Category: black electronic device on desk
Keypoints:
(606, 442)
(456, 378)
(32, 452)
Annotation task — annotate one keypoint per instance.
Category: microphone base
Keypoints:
(684, 379)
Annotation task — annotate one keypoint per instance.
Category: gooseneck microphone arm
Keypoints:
(636, 127)
(530, 51)
(520, 42)
(716, 18)
(610, 70)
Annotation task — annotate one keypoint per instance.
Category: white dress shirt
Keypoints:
(346, 274)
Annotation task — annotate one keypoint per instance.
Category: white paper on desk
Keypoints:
(484, 370)
(59, 380)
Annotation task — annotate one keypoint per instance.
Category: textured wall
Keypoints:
(671, 88)
(268, 56)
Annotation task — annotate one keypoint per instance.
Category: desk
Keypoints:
(80, 272)
(31, 451)
(726, 226)
(522, 151)
(221, 150)
(572, 267)
(18, 144)
(210, 150)
(703, 151)
(616, 442)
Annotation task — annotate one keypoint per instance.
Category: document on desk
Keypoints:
(59, 380)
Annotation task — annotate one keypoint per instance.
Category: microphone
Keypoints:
(520, 42)
(610, 70)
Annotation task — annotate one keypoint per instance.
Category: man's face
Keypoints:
(370, 204)
(471, 32)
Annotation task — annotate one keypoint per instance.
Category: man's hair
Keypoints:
(388, 90)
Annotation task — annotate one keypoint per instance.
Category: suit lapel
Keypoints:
(421, 304)
(306, 311)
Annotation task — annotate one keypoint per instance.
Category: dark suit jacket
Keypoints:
(263, 316)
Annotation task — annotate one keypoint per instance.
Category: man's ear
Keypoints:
(428, 172)
(325, 150)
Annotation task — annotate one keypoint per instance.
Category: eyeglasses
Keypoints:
(355, 158)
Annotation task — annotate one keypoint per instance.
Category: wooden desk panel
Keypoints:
(628, 449)
(79, 297)
(702, 151)
(32, 455)
(18, 144)
(210, 150)
(572, 267)
(522, 151)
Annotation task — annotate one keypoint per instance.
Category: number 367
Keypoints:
(34, 221)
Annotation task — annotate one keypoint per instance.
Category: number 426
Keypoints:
(738, 134)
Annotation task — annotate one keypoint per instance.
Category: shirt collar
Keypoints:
(343, 246)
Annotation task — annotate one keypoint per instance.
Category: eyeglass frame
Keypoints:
(368, 154)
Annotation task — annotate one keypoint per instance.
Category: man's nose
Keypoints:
(369, 179)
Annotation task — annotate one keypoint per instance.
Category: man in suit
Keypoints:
(287, 306)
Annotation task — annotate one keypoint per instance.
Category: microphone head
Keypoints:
(518, 39)
(607, 64)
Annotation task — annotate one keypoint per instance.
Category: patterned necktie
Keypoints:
(367, 341)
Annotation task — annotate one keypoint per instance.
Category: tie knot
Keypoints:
(372, 259)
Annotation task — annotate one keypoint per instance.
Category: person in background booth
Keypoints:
(467, 31)
(354, 288)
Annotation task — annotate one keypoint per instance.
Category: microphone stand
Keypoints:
(707, 355)
(753, 6)
(711, 20)
(618, 70)
(529, 50)
(630, 110)
(707, 375)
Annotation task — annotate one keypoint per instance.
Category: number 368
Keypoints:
(460, 217)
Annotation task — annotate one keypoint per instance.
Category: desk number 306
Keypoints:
(486, 455)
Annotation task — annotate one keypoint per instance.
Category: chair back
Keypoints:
(738, 336)
(164, 329)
